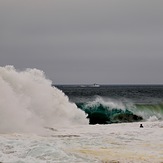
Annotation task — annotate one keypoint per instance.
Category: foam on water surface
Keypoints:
(99, 143)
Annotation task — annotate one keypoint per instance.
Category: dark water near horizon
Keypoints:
(117, 103)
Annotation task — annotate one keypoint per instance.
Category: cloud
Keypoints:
(53, 35)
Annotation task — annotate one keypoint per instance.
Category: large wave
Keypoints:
(28, 102)
(105, 111)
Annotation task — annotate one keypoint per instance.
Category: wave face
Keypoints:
(29, 103)
(106, 111)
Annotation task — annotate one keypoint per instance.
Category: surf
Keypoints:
(106, 111)
(29, 103)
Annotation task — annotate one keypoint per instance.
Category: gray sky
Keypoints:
(85, 41)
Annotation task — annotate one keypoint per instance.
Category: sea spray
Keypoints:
(28, 102)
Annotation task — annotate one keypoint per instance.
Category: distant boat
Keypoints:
(96, 85)
(91, 85)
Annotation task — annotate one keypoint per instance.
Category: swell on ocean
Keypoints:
(102, 110)
(29, 103)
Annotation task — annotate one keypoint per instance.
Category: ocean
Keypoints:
(45, 123)
(108, 104)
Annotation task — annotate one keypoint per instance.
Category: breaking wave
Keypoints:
(106, 111)
(29, 103)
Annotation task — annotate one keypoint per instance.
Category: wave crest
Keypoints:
(28, 102)
(105, 111)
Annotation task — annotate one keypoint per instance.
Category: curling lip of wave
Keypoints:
(102, 111)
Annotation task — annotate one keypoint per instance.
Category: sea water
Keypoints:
(123, 143)
(118, 103)
(45, 124)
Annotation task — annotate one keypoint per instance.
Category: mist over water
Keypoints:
(28, 103)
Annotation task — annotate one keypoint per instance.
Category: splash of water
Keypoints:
(29, 103)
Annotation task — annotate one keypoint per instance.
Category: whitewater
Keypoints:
(39, 124)
(29, 103)
(86, 144)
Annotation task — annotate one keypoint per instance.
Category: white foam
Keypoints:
(28, 102)
(87, 143)
(110, 103)
(153, 118)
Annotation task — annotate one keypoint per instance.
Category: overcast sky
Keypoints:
(85, 41)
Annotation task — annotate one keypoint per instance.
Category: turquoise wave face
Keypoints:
(99, 114)
(106, 113)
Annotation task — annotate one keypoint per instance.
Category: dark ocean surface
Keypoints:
(117, 103)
